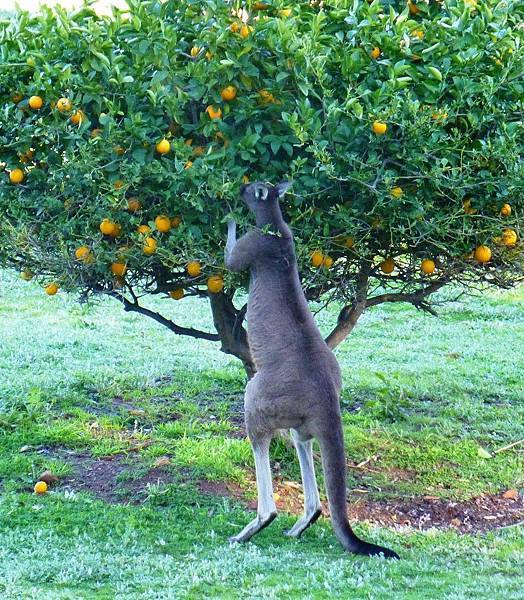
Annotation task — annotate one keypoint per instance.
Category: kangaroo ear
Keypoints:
(282, 187)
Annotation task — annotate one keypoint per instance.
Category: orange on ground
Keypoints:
(177, 293)
(149, 246)
(163, 223)
(229, 93)
(163, 146)
(375, 53)
(133, 204)
(51, 289)
(16, 176)
(35, 102)
(317, 258)
(194, 268)
(119, 269)
(40, 487)
(482, 254)
(505, 211)
(427, 266)
(214, 112)
(379, 128)
(215, 284)
(63, 104)
(387, 266)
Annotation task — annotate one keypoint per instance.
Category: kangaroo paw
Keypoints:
(303, 523)
(256, 525)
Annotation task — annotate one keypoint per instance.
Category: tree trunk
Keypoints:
(233, 337)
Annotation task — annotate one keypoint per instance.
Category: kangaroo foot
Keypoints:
(303, 523)
(252, 528)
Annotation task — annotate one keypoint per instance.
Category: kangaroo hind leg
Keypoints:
(267, 509)
(312, 506)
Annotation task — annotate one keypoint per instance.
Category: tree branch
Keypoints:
(135, 307)
(416, 298)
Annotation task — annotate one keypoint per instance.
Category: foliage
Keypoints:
(447, 83)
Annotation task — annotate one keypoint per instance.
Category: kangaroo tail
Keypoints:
(334, 466)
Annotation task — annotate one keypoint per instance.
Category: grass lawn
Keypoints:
(144, 431)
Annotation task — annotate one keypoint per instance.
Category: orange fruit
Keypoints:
(175, 221)
(245, 30)
(229, 93)
(215, 284)
(379, 128)
(26, 275)
(82, 253)
(194, 268)
(413, 8)
(482, 254)
(266, 97)
(163, 223)
(194, 51)
(108, 227)
(143, 229)
(51, 289)
(78, 117)
(17, 97)
(150, 246)
(177, 293)
(327, 262)
(133, 204)
(35, 102)
(375, 53)
(439, 116)
(163, 146)
(63, 104)
(40, 487)
(505, 211)
(245, 179)
(397, 192)
(118, 269)
(317, 258)
(387, 266)
(188, 142)
(199, 151)
(214, 112)
(509, 238)
(119, 150)
(119, 184)
(16, 176)
(418, 33)
(97, 132)
(427, 266)
(25, 157)
(234, 27)
(188, 165)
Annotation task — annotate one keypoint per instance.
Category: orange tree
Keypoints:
(124, 139)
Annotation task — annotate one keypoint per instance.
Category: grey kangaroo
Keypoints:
(297, 384)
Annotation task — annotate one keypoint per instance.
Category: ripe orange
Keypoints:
(143, 229)
(26, 275)
(78, 117)
(397, 192)
(215, 284)
(427, 266)
(163, 223)
(505, 211)
(375, 53)
(229, 93)
(379, 128)
(317, 258)
(214, 112)
(163, 146)
(509, 238)
(40, 487)
(482, 254)
(194, 268)
(118, 269)
(266, 97)
(108, 227)
(327, 262)
(150, 246)
(194, 51)
(82, 253)
(16, 176)
(177, 293)
(245, 30)
(133, 204)
(35, 102)
(175, 221)
(63, 104)
(387, 266)
(234, 27)
(51, 289)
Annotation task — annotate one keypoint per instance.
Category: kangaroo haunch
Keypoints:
(297, 384)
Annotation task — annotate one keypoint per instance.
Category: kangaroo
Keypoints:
(297, 384)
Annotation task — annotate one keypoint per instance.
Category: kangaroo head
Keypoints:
(259, 195)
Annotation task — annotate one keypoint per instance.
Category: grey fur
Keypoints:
(297, 384)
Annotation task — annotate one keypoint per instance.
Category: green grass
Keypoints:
(421, 396)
